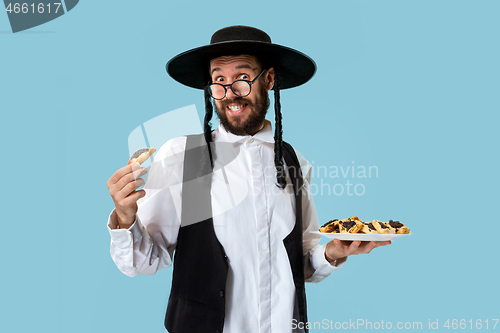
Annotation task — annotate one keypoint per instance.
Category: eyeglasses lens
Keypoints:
(217, 91)
(240, 88)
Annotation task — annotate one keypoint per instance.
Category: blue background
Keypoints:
(410, 87)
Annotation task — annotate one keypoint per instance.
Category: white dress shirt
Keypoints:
(251, 217)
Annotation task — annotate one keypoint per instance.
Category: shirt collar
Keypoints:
(265, 134)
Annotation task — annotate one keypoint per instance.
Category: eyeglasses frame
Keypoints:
(250, 83)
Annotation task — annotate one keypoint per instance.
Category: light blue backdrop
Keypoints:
(408, 87)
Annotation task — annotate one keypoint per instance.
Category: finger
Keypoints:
(345, 243)
(133, 197)
(353, 248)
(128, 178)
(384, 243)
(115, 178)
(140, 172)
(130, 201)
(369, 246)
(129, 188)
(375, 244)
(342, 245)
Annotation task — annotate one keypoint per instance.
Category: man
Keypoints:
(241, 235)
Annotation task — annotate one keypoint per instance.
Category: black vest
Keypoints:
(197, 298)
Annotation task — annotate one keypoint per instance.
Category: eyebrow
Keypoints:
(237, 67)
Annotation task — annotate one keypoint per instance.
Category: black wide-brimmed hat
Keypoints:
(191, 68)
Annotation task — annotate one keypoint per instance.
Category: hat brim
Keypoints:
(191, 68)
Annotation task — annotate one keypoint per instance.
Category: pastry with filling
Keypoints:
(142, 155)
(381, 227)
(330, 226)
(351, 225)
(368, 228)
(397, 227)
(355, 218)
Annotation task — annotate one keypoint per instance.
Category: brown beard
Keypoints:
(256, 118)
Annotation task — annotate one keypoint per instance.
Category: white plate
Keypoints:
(361, 237)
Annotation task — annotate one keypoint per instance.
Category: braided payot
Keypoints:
(278, 140)
(207, 127)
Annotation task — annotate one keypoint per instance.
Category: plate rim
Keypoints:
(328, 235)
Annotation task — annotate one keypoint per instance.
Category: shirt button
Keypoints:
(221, 293)
(251, 140)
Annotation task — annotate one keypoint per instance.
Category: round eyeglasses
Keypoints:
(241, 88)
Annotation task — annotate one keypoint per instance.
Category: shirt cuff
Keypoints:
(123, 238)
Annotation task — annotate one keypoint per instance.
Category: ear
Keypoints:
(270, 78)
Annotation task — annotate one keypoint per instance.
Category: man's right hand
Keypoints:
(122, 188)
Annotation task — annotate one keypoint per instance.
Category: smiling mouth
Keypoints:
(236, 109)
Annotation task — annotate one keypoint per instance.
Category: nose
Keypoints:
(229, 93)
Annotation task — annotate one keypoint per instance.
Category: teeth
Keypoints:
(234, 107)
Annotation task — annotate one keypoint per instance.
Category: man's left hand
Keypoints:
(337, 249)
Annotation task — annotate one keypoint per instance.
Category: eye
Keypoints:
(244, 77)
(219, 79)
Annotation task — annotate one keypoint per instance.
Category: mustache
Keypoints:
(239, 100)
